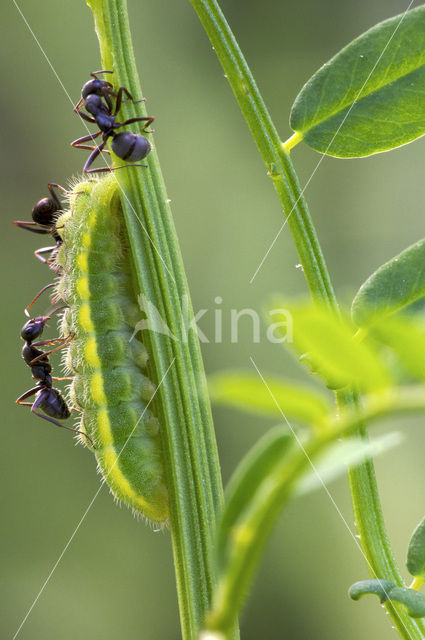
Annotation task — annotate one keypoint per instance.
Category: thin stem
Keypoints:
(365, 497)
(291, 142)
(190, 454)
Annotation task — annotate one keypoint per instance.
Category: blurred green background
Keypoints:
(116, 578)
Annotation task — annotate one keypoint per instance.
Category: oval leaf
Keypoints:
(345, 454)
(247, 391)
(406, 337)
(370, 96)
(396, 284)
(330, 349)
(416, 552)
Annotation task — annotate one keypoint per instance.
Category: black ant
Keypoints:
(44, 215)
(47, 398)
(96, 98)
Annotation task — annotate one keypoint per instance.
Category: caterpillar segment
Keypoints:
(111, 385)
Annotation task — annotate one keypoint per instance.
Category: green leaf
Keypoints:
(370, 96)
(330, 350)
(248, 476)
(247, 391)
(381, 588)
(406, 337)
(386, 590)
(416, 552)
(413, 600)
(343, 454)
(396, 284)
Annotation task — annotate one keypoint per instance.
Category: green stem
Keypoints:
(190, 454)
(365, 497)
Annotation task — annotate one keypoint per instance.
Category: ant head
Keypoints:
(97, 87)
(33, 328)
(130, 146)
(44, 211)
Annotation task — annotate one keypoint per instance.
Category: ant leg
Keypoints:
(65, 341)
(51, 260)
(78, 106)
(26, 395)
(99, 170)
(51, 186)
(86, 170)
(55, 185)
(107, 92)
(119, 101)
(62, 426)
(134, 101)
(44, 250)
(123, 166)
(66, 378)
(131, 120)
(44, 343)
(92, 157)
(85, 117)
(63, 306)
(86, 146)
(23, 224)
(48, 286)
(94, 73)
(91, 136)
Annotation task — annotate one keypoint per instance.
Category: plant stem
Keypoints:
(364, 491)
(190, 454)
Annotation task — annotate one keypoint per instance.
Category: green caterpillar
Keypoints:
(110, 387)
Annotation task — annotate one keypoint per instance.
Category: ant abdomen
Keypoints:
(53, 403)
(130, 146)
(44, 212)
